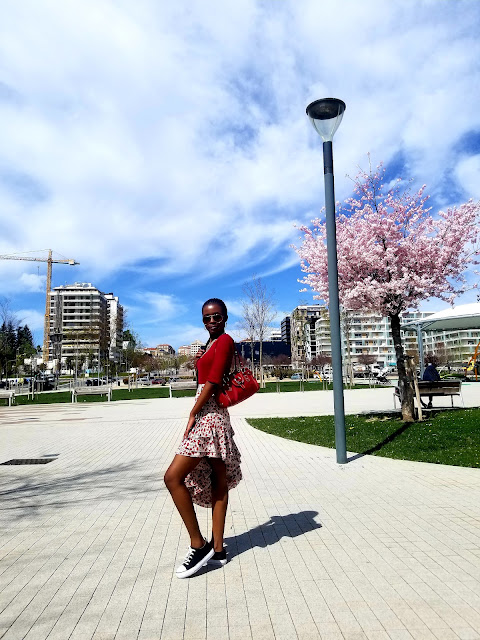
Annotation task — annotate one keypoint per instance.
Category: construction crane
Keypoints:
(49, 261)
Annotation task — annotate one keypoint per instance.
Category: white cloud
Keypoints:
(468, 175)
(234, 307)
(32, 282)
(34, 319)
(166, 307)
(175, 134)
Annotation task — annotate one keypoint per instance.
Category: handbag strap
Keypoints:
(237, 363)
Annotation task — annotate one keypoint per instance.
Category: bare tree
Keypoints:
(320, 361)
(247, 324)
(367, 359)
(259, 311)
(434, 358)
(439, 355)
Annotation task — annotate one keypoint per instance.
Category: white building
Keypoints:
(453, 347)
(196, 346)
(368, 333)
(115, 324)
(275, 335)
(85, 324)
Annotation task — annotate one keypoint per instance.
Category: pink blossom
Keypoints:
(392, 251)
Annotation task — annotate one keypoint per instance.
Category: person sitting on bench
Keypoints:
(430, 375)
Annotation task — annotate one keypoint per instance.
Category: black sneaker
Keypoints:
(195, 560)
(219, 558)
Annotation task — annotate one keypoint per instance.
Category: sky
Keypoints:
(165, 146)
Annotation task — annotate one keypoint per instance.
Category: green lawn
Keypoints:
(117, 394)
(314, 385)
(47, 398)
(448, 437)
(162, 392)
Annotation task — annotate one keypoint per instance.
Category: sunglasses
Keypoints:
(215, 317)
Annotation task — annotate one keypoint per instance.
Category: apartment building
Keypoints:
(285, 329)
(184, 350)
(115, 325)
(164, 350)
(368, 332)
(275, 335)
(195, 347)
(302, 332)
(85, 323)
(452, 347)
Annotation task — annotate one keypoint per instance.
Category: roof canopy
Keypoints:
(465, 316)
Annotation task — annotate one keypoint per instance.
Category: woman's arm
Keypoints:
(207, 392)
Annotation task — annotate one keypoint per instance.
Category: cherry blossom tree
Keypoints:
(392, 254)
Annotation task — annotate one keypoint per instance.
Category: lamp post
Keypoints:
(325, 116)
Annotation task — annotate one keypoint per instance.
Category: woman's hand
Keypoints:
(190, 425)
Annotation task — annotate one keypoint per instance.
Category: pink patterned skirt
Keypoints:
(211, 437)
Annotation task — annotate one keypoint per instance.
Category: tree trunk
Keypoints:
(346, 330)
(405, 385)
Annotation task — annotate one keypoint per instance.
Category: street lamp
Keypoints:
(326, 116)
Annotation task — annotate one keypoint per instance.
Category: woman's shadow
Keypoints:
(270, 532)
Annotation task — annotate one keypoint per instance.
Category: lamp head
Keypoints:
(326, 116)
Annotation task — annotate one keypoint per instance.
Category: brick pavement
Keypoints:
(89, 543)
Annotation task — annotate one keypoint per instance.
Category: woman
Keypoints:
(207, 463)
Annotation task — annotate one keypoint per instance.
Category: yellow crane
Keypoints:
(49, 261)
(473, 362)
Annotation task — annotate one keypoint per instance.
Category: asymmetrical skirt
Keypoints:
(210, 437)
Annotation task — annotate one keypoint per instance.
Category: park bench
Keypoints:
(8, 395)
(181, 384)
(441, 389)
(91, 391)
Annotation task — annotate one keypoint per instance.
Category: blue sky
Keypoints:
(165, 146)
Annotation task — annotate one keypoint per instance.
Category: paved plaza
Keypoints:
(374, 549)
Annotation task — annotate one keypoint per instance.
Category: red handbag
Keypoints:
(238, 385)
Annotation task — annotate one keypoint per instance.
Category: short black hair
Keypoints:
(220, 304)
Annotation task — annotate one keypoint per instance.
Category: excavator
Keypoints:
(473, 365)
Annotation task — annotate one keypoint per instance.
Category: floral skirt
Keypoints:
(210, 437)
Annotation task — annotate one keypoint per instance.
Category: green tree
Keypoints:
(8, 339)
(25, 344)
(130, 337)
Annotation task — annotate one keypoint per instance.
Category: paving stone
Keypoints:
(377, 549)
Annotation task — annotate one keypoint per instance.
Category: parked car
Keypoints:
(46, 382)
(161, 381)
(296, 376)
(95, 382)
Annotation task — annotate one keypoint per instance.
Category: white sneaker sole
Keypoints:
(216, 563)
(197, 567)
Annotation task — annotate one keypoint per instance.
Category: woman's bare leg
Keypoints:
(174, 479)
(219, 501)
